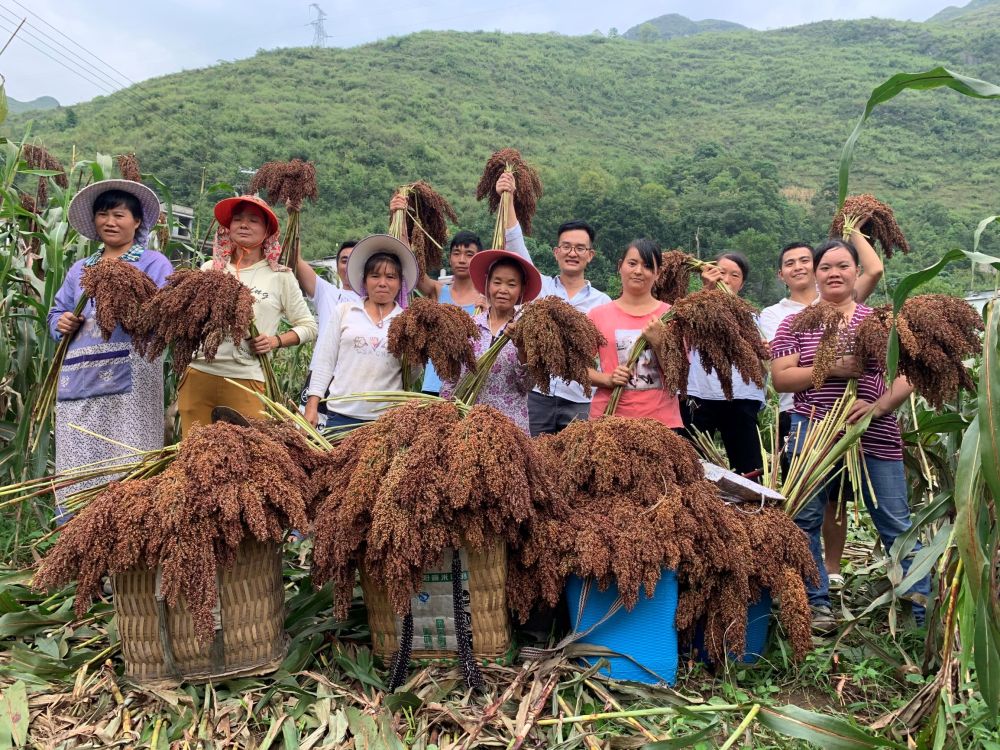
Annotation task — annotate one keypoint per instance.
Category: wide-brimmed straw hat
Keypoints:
(483, 262)
(81, 209)
(381, 243)
(225, 209)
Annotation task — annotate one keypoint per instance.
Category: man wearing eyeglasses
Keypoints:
(574, 250)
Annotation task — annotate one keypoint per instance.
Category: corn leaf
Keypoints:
(827, 732)
(929, 79)
(986, 655)
(989, 400)
(688, 740)
(978, 234)
(968, 497)
(14, 714)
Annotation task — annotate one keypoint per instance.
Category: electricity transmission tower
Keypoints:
(319, 32)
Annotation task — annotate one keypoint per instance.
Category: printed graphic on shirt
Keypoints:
(371, 345)
(646, 375)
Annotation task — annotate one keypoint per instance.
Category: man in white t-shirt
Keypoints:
(325, 297)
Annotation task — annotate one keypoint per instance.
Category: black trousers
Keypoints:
(736, 423)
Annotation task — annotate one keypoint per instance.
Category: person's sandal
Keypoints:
(836, 581)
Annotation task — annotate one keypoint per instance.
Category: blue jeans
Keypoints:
(333, 420)
(891, 515)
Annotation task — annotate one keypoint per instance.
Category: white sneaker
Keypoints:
(836, 580)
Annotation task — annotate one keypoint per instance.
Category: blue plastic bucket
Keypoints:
(758, 628)
(646, 637)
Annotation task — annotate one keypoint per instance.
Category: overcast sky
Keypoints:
(140, 39)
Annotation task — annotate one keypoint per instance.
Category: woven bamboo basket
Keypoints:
(158, 641)
(487, 603)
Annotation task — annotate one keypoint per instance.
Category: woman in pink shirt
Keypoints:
(635, 313)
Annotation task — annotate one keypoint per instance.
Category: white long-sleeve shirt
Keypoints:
(326, 299)
(352, 352)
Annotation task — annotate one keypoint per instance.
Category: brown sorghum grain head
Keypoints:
(119, 290)
(128, 167)
(529, 186)
(674, 278)
(286, 183)
(880, 226)
(558, 340)
(439, 333)
(834, 341)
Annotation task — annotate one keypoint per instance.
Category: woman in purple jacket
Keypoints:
(104, 386)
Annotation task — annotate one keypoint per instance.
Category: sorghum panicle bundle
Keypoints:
(529, 186)
(948, 329)
(287, 183)
(440, 333)
(418, 481)
(674, 278)
(195, 310)
(782, 564)
(871, 339)
(38, 157)
(433, 213)
(119, 290)
(880, 226)
(128, 167)
(558, 340)
(227, 483)
(722, 328)
(834, 341)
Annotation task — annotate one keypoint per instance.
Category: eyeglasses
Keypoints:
(578, 249)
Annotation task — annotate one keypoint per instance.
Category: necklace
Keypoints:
(381, 317)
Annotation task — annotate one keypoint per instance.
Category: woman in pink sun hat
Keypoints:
(507, 281)
(246, 246)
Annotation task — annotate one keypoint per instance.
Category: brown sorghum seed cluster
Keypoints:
(287, 183)
(433, 213)
(227, 483)
(558, 340)
(782, 564)
(416, 482)
(529, 186)
(195, 310)
(128, 167)
(37, 157)
(119, 290)
(440, 333)
(880, 226)
(947, 330)
(674, 277)
(836, 339)
(721, 327)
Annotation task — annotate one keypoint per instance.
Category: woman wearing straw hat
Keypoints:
(506, 280)
(246, 246)
(105, 386)
(352, 350)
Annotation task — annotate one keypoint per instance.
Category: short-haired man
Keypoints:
(574, 250)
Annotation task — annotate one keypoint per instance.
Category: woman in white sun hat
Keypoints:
(105, 386)
(352, 351)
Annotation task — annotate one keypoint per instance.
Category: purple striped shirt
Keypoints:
(882, 438)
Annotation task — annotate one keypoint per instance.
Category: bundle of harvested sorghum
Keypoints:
(937, 333)
(128, 167)
(287, 183)
(195, 310)
(878, 223)
(119, 290)
(836, 339)
(38, 157)
(440, 333)
(722, 327)
(426, 219)
(558, 340)
(638, 504)
(782, 564)
(674, 278)
(226, 484)
(418, 481)
(529, 186)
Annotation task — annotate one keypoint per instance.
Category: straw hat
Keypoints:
(381, 243)
(81, 209)
(483, 262)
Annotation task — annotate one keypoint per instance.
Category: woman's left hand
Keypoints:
(861, 408)
(262, 344)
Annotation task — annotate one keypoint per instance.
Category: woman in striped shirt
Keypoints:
(836, 267)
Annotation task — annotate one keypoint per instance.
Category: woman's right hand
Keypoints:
(312, 410)
(711, 275)
(846, 366)
(68, 323)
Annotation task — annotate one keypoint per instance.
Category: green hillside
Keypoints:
(674, 25)
(729, 139)
(42, 102)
